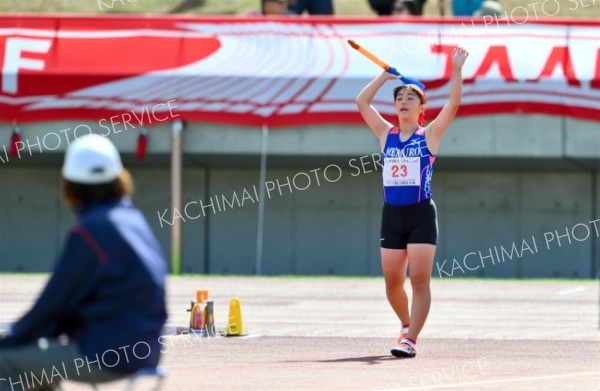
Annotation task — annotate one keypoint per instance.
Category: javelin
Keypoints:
(384, 65)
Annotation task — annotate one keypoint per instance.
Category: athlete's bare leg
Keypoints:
(420, 261)
(394, 263)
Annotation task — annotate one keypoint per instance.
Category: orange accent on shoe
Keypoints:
(403, 334)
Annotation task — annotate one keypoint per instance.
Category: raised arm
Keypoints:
(363, 101)
(437, 127)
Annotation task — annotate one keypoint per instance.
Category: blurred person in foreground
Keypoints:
(101, 312)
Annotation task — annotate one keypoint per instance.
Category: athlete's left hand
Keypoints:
(459, 56)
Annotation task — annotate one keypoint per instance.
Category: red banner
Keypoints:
(290, 71)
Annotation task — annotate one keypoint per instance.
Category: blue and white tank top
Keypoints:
(407, 168)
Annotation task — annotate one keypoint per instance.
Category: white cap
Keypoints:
(91, 160)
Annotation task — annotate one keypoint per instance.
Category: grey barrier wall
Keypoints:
(512, 202)
(496, 224)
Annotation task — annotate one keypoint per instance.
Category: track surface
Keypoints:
(335, 334)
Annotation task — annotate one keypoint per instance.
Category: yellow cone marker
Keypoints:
(234, 324)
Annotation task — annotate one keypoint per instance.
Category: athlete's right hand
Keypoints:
(385, 75)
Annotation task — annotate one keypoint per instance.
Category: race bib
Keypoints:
(401, 171)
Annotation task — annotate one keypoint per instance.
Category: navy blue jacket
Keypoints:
(106, 290)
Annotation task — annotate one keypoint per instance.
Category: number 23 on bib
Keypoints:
(401, 171)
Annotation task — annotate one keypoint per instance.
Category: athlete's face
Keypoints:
(408, 104)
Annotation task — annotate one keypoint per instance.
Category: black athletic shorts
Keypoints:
(415, 223)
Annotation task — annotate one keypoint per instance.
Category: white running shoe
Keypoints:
(405, 349)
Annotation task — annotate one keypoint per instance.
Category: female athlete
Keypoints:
(409, 230)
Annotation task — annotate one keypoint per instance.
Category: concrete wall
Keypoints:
(498, 136)
(332, 228)
(35, 221)
(327, 229)
(503, 186)
(484, 213)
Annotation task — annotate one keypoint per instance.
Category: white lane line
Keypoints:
(570, 291)
(516, 379)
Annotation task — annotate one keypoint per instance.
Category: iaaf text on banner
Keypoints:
(287, 71)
